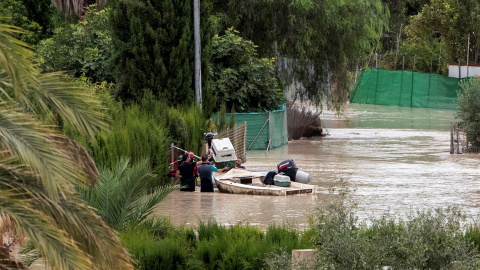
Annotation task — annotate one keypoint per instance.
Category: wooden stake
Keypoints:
(468, 51)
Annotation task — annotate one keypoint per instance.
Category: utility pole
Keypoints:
(197, 49)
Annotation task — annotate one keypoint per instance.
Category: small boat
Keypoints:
(251, 183)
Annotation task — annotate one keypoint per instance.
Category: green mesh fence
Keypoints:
(263, 129)
(405, 89)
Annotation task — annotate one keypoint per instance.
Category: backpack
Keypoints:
(269, 178)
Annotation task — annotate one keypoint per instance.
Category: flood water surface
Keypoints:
(397, 169)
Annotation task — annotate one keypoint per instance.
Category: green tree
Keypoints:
(469, 111)
(241, 79)
(81, 48)
(153, 49)
(314, 42)
(446, 23)
(18, 15)
(40, 168)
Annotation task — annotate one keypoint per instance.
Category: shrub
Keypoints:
(468, 111)
(425, 240)
(135, 134)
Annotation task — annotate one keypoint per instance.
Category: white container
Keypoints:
(280, 177)
(222, 150)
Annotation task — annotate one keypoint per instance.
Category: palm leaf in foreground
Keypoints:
(37, 172)
(53, 224)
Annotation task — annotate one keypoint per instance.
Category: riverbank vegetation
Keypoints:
(421, 240)
(468, 108)
(125, 93)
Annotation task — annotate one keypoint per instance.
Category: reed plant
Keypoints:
(153, 253)
(242, 246)
(170, 249)
(134, 134)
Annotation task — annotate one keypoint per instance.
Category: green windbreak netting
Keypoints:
(405, 89)
(262, 127)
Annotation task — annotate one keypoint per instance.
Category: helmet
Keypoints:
(208, 136)
(180, 159)
(191, 155)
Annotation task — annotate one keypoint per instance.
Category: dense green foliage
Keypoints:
(26, 14)
(121, 197)
(153, 49)
(241, 79)
(216, 247)
(315, 43)
(433, 34)
(450, 22)
(469, 111)
(80, 48)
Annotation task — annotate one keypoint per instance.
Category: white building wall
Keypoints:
(454, 72)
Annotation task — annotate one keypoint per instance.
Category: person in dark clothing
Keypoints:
(205, 173)
(186, 172)
(208, 146)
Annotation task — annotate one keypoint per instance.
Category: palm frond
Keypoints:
(27, 138)
(121, 195)
(15, 62)
(70, 216)
(78, 155)
(22, 81)
(63, 253)
(72, 102)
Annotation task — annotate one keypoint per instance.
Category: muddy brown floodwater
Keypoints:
(393, 160)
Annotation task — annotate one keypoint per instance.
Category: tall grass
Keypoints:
(242, 246)
(153, 253)
(217, 247)
(134, 134)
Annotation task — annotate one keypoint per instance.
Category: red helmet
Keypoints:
(191, 155)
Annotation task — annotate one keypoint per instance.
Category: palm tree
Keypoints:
(76, 7)
(38, 175)
(122, 197)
